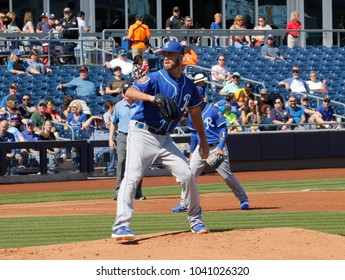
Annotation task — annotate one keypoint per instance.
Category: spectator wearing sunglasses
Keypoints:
(220, 72)
(297, 113)
(312, 116)
(295, 83)
(258, 40)
(327, 112)
(239, 40)
(270, 50)
(315, 85)
(281, 116)
(234, 85)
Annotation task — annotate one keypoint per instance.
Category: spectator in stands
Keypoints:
(122, 61)
(175, 21)
(281, 116)
(315, 85)
(145, 67)
(137, 71)
(251, 115)
(58, 154)
(40, 116)
(189, 57)
(220, 72)
(139, 34)
(265, 106)
(327, 112)
(28, 23)
(4, 21)
(107, 116)
(12, 27)
(243, 94)
(14, 114)
(36, 65)
(312, 116)
(188, 21)
(51, 109)
(65, 108)
(123, 112)
(258, 40)
(270, 50)
(295, 84)
(76, 118)
(297, 113)
(6, 136)
(49, 24)
(234, 85)
(294, 24)
(230, 99)
(30, 135)
(199, 81)
(82, 84)
(81, 22)
(96, 130)
(13, 92)
(27, 108)
(239, 40)
(16, 65)
(216, 25)
(232, 123)
(44, 19)
(115, 85)
(68, 25)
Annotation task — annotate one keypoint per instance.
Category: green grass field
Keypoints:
(35, 231)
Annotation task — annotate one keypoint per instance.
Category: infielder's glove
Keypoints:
(167, 107)
(214, 160)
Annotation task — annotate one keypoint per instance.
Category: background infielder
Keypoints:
(149, 139)
(216, 131)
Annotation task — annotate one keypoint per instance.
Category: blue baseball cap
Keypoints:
(270, 36)
(30, 121)
(17, 52)
(173, 47)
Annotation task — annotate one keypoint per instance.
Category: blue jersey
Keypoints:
(214, 124)
(182, 90)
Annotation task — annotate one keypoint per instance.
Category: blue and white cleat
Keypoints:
(123, 233)
(200, 229)
(178, 209)
(244, 205)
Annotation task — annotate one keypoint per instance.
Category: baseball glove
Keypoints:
(167, 107)
(214, 160)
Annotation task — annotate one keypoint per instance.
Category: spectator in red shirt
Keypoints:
(294, 24)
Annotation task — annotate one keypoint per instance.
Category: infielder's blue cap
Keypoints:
(173, 47)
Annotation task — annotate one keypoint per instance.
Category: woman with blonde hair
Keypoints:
(12, 27)
(76, 118)
(239, 40)
(294, 24)
(28, 23)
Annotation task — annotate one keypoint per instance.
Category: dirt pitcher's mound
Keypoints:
(249, 244)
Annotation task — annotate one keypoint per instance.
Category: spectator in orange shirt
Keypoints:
(292, 39)
(139, 34)
(189, 56)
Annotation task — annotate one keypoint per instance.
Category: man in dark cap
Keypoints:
(139, 35)
(68, 25)
(44, 19)
(175, 21)
(243, 94)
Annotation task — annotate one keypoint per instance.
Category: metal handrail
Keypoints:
(69, 127)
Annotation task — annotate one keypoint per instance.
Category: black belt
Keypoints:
(293, 36)
(212, 145)
(123, 132)
(150, 129)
